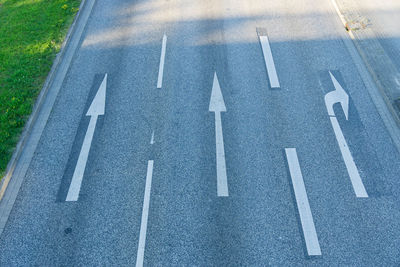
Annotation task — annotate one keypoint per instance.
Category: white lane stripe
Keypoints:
(145, 215)
(355, 178)
(76, 182)
(162, 59)
(222, 180)
(269, 62)
(307, 222)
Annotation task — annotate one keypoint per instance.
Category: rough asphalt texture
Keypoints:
(258, 224)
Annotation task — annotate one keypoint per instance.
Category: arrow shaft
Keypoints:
(355, 178)
(76, 182)
(222, 181)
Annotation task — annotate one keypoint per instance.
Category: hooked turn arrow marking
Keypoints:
(340, 96)
(337, 96)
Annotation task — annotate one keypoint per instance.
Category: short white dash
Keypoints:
(269, 62)
(162, 59)
(307, 222)
(145, 215)
(152, 138)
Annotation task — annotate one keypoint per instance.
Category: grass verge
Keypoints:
(31, 34)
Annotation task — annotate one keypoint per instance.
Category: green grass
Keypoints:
(31, 33)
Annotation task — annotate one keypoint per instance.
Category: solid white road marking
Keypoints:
(96, 109)
(217, 106)
(307, 221)
(269, 62)
(162, 59)
(145, 215)
(340, 96)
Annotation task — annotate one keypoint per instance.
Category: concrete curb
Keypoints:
(51, 87)
(367, 47)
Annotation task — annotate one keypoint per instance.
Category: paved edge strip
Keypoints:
(382, 104)
(34, 127)
(145, 215)
(306, 218)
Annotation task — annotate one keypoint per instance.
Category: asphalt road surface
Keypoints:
(210, 133)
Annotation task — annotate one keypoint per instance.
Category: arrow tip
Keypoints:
(98, 104)
(217, 103)
(341, 95)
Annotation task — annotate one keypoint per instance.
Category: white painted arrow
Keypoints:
(337, 96)
(96, 109)
(340, 96)
(217, 106)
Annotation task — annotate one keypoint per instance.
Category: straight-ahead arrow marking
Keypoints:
(96, 109)
(162, 59)
(217, 106)
(340, 96)
(269, 62)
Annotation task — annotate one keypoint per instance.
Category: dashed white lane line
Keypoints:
(269, 62)
(307, 222)
(145, 215)
(162, 60)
